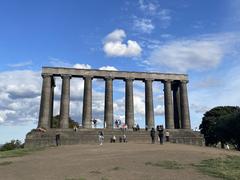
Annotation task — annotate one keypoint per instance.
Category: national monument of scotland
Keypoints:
(177, 118)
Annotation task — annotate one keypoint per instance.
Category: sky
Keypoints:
(198, 38)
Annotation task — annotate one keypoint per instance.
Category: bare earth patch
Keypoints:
(111, 162)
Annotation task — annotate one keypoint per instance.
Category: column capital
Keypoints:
(87, 77)
(66, 76)
(184, 81)
(129, 79)
(167, 81)
(148, 79)
(46, 75)
(108, 78)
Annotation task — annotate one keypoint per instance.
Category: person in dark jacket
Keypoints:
(152, 133)
(160, 133)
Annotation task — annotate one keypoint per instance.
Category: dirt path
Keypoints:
(109, 162)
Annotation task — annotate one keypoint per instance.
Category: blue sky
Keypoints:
(200, 38)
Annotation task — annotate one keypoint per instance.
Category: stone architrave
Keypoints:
(149, 110)
(46, 102)
(129, 106)
(184, 106)
(108, 109)
(87, 103)
(65, 101)
(168, 105)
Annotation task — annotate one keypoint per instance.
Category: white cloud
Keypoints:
(192, 54)
(114, 46)
(149, 7)
(153, 10)
(21, 64)
(57, 62)
(19, 96)
(82, 66)
(144, 25)
(108, 68)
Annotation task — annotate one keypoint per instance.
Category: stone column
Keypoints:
(46, 102)
(129, 106)
(52, 105)
(87, 103)
(149, 110)
(65, 101)
(176, 106)
(108, 109)
(184, 105)
(168, 105)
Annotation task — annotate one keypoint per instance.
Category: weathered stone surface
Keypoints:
(168, 105)
(129, 106)
(149, 110)
(87, 102)
(56, 71)
(65, 100)
(81, 136)
(108, 110)
(184, 106)
(46, 102)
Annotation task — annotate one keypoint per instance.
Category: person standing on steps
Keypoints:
(167, 135)
(160, 133)
(152, 134)
(101, 138)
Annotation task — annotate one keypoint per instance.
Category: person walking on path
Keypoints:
(160, 133)
(101, 138)
(152, 134)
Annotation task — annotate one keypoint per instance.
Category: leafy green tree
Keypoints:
(228, 129)
(14, 144)
(215, 118)
(56, 122)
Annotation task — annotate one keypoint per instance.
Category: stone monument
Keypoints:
(176, 105)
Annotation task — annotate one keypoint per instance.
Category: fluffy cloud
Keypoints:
(108, 68)
(19, 96)
(114, 46)
(144, 25)
(192, 54)
(82, 66)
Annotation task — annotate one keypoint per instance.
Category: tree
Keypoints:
(213, 120)
(228, 129)
(56, 122)
(14, 144)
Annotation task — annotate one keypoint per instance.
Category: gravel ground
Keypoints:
(110, 162)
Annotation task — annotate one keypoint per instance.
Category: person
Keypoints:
(75, 128)
(58, 142)
(146, 128)
(167, 136)
(124, 138)
(160, 133)
(120, 139)
(94, 123)
(101, 138)
(152, 133)
(138, 127)
(113, 139)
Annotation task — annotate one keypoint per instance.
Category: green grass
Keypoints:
(81, 178)
(95, 172)
(166, 164)
(226, 168)
(5, 163)
(18, 152)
